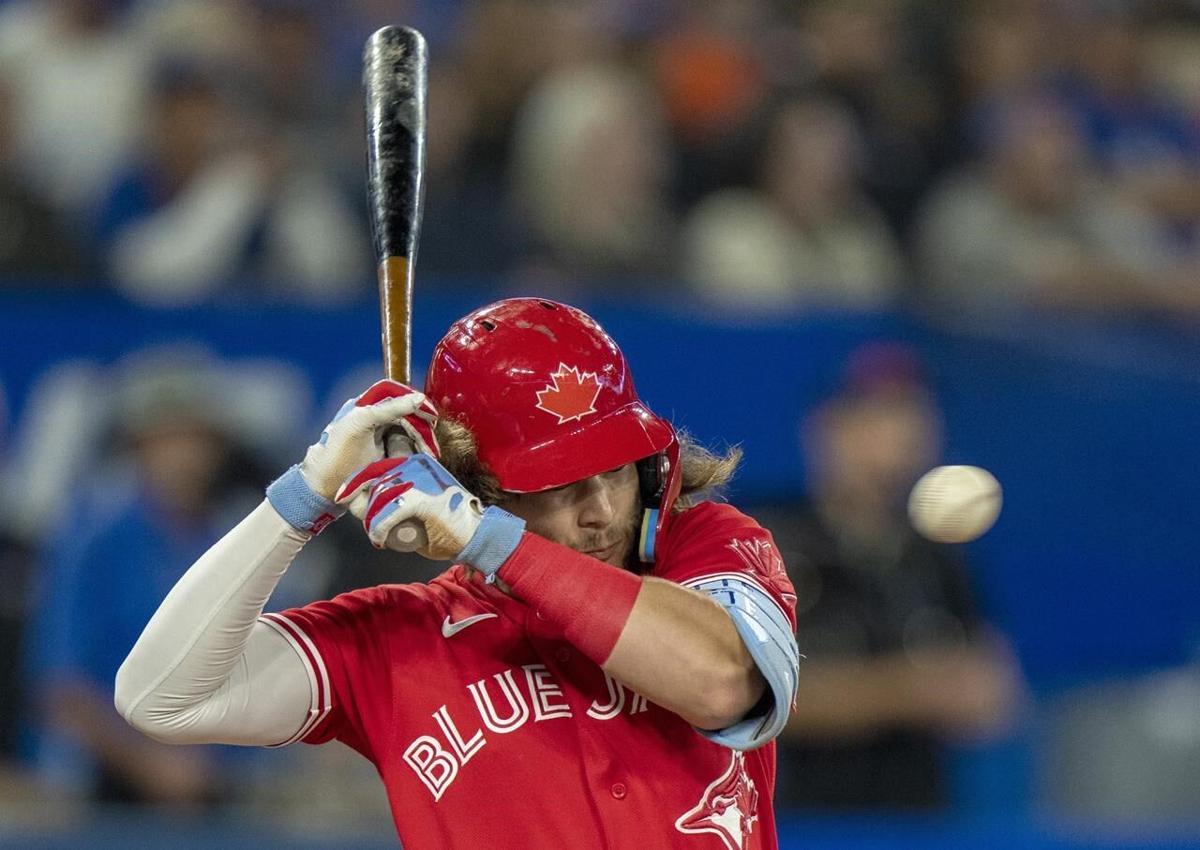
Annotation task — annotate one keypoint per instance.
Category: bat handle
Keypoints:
(410, 534)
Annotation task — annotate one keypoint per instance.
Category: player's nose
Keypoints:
(596, 508)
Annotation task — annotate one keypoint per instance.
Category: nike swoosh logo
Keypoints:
(451, 629)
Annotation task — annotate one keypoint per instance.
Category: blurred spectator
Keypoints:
(1033, 224)
(128, 534)
(16, 573)
(79, 79)
(222, 32)
(899, 658)
(506, 48)
(590, 166)
(807, 236)
(500, 53)
(708, 68)
(17, 789)
(999, 48)
(881, 59)
(463, 203)
(1147, 143)
(711, 68)
(16, 564)
(218, 200)
(275, 54)
(478, 86)
(1171, 58)
(294, 89)
(35, 246)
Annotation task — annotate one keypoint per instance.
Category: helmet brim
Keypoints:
(622, 436)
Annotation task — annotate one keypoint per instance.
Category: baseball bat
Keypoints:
(395, 81)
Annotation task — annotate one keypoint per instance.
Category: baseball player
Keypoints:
(604, 666)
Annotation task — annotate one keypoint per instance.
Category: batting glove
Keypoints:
(305, 494)
(455, 525)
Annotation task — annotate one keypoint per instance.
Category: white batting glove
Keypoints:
(455, 525)
(304, 495)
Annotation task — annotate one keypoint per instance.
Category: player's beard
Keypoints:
(624, 533)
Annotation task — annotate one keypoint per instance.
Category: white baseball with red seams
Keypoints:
(955, 504)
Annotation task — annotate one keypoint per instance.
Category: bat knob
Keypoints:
(408, 532)
(408, 536)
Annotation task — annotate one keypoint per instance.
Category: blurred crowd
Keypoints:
(126, 474)
(977, 157)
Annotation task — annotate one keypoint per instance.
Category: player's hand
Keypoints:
(399, 490)
(355, 437)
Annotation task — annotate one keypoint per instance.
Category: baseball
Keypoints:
(954, 504)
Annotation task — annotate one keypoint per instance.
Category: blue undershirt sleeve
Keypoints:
(769, 638)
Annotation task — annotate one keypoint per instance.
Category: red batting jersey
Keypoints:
(489, 730)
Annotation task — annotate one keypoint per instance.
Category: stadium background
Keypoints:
(1077, 388)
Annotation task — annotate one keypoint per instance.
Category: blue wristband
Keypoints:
(296, 502)
(497, 537)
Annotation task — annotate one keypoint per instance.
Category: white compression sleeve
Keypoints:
(204, 669)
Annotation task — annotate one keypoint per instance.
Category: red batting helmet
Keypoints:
(550, 400)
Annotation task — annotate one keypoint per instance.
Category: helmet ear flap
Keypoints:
(660, 479)
(652, 479)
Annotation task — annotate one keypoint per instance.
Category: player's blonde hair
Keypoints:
(704, 473)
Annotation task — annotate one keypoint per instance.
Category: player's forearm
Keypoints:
(680, 649)
(677, 647)
(193, 675)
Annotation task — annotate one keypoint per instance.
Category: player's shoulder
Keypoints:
(716, 541)
(711, 532)
(710, 521)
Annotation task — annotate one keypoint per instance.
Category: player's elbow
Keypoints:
(727, 697)
(162, 726)
(123, 691)
(125, 698)
(142, 723)
(131, 704)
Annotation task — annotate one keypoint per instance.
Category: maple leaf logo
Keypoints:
(570, 395)
(759, 555)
